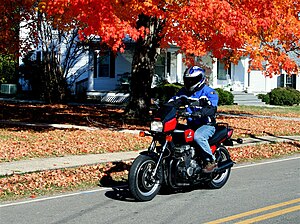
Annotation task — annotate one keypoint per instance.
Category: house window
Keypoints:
(223, 73)
(101, 64)
(160, 65)
(289, 81)
(104, 64)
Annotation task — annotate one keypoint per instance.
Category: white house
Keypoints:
(98, 71)
(107, 72)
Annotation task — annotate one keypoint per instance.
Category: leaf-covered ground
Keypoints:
(28, 142)
(22, 142)
(18, 143)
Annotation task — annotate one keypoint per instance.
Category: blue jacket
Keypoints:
(207, 111)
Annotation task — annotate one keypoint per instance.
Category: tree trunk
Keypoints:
(143, 67)
(53, 85)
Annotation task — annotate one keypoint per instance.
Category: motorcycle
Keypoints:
(173, 160)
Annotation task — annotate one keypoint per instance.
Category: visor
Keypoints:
(191, 81)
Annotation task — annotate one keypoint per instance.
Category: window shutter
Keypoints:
(95, 65)
(112, 65)
(281, 84)
(294, 81)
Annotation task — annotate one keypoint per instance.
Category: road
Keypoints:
(266, 192)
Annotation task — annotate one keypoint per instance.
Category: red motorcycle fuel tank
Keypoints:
(170, 125)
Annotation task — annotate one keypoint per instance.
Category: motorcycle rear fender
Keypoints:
(213, 148)
(228, 142)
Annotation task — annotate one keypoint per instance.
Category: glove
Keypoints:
(204, 101)
(197, 114)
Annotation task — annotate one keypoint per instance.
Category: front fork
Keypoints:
(151, 149)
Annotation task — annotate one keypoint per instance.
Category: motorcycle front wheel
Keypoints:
(142, 184)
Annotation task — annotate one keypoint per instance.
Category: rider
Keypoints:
(195, 87)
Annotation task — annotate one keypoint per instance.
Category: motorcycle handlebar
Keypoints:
(187, 114)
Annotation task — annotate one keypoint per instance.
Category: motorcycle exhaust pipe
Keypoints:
(224, 165)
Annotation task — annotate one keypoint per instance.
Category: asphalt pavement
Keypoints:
(264, 192)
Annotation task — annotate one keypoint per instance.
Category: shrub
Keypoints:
(7, 69)
(264, 97)
(284, 97)
(165, 92)
(225, 97)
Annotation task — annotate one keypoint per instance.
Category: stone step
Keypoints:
(242, 98)
(248, 103)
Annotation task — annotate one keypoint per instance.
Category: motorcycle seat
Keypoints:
(221, 132)
(182, 127)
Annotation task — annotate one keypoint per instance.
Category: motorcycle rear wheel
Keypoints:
(220, 179)
(142, 185)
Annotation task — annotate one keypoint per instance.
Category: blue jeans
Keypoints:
(201, 137)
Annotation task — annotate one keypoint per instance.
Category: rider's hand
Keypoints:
(204, 101)
(196, 114)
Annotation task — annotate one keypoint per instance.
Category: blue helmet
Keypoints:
(194, 78)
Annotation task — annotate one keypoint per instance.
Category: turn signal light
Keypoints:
(169, 138)
(230, 132)
(142, 134)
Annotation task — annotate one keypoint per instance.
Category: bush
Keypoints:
(7, 69)
(264, 97)
(225, 97)
(165, 92)
(284, 97)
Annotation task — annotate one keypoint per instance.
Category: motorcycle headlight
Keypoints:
(156, 126)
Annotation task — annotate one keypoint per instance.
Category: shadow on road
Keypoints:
(120, 190)
(287, 139)
(281, 137)
(120, 193)
(119, 185)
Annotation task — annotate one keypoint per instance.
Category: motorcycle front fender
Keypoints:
(150, 154)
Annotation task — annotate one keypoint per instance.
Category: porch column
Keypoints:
(247, 84)
(90, 84)
(179, 75)
(214, 73)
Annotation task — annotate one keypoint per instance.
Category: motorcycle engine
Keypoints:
(187, 166)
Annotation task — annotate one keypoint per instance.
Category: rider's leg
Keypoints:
(201, 137)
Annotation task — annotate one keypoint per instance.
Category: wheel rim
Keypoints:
(147, 185)
(222, 176)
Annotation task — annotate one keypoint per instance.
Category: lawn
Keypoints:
(262, 110)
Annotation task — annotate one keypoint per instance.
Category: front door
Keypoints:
(223, 74)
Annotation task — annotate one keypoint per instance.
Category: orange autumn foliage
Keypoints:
(265, 30)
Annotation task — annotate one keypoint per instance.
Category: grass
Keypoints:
(292, 111)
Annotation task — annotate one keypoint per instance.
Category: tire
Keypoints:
(220, 179)
(141, 185)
